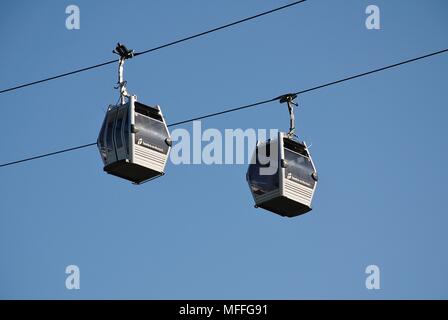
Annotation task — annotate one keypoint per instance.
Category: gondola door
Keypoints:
(122, 132)
(106, 138)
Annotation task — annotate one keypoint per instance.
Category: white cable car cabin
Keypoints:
(287, 188)
(134, 141)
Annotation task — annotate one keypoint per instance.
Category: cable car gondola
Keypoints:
(134, 141)
(289, 190)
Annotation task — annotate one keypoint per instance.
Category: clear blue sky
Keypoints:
(379, 144)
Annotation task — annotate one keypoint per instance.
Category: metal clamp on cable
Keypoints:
(123, 52)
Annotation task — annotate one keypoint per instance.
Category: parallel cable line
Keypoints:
(156, 48)
(252, 105)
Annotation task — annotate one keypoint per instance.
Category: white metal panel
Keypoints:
(297, 192)
(149, 158)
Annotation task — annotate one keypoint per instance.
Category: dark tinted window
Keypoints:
(109, 131)
(126, 131)
(147, 111)
(261, 184)
(150, 133)
(296, 146)
(102, 140)
(118, 138)
(299, 168)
